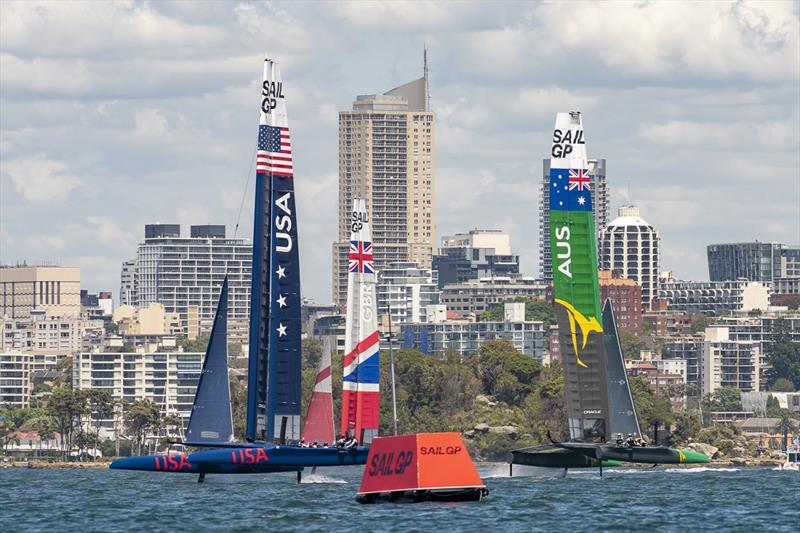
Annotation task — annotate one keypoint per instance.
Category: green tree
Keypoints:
(141, 418)
(699, 324)
(654, 411)
(197, 345)
(65, 408)
(784, 356)
(685, 427)
(631, 345)
(782, 385)
(725, 399)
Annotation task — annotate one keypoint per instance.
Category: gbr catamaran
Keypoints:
(598, 399)
(274, 360)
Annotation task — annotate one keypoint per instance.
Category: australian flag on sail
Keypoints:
(360, 257)
(570, 189)
(274, 154)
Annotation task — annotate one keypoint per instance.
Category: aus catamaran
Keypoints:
(273, 429)
(598, 399)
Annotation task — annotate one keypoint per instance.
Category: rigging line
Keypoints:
(244, 192)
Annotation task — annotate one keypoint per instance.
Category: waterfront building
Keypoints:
(45, 334)
(686, 348)
(51, 289)
(626, 296)
(754, 261)
(169, 379)
(478, 295)
(726, 362)
(407, 290)
(473, 255)
(466, 337)
(600, 202)
(15, 389)
(185, 275)
(631, 245)
(786, 292)
(387, 154)
(714, 298)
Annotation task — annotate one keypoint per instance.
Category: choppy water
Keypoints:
(663, 499)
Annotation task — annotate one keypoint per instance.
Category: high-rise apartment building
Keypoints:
(54, 290)
(630, 245)
(185, 274)
(600, 201)
(754, 261)
(480, 253)
(386, 156)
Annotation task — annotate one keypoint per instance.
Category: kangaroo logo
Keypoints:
(587, 325)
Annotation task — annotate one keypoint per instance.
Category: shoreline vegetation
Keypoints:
(497, 398)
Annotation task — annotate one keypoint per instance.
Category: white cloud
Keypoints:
(41, 180)
(119, 114)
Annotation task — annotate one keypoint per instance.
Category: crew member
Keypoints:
(631, 442)
(350, 443)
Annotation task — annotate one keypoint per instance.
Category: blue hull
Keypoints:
(248, 459)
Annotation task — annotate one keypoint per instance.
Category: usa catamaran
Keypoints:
(598, 399)
(274, 371)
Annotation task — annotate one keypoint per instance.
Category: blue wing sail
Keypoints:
(211, 420)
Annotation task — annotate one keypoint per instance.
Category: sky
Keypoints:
(118, 114)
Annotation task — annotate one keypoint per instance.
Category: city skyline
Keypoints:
(106, 131)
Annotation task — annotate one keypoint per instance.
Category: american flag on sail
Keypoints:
(360, 257)
(274, 154)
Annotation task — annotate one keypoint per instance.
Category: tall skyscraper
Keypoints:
(754, 261)
(185, 274)
(386, 156)
(599, 191)
(630, 245)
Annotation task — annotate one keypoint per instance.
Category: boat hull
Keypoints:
(585, 455)
(469, 494)
(248, 459)
(554, 457)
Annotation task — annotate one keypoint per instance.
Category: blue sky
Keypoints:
(114, 115)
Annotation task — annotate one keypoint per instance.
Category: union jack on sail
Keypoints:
(360, 257)
(578, 178)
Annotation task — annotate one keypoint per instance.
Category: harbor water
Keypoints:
(626, 499)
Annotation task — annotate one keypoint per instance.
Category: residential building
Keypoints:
(98, 306)
(387, 154)
(466, 337)
(714, 298)
(44, 334)
(333, 327)
(129, 283)
(631, 245)
(51, 289)
(786, 292)
(167, 378)
(626, 296)
(15, 388)
(661, 321)
(187, 273)
(754, 261)
(150, 320)
(473, 255)
(687, 348)
(600, 200)
(478, 295)
(729, 363)
(407, 290)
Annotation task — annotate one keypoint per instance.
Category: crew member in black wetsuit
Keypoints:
(631, 442)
